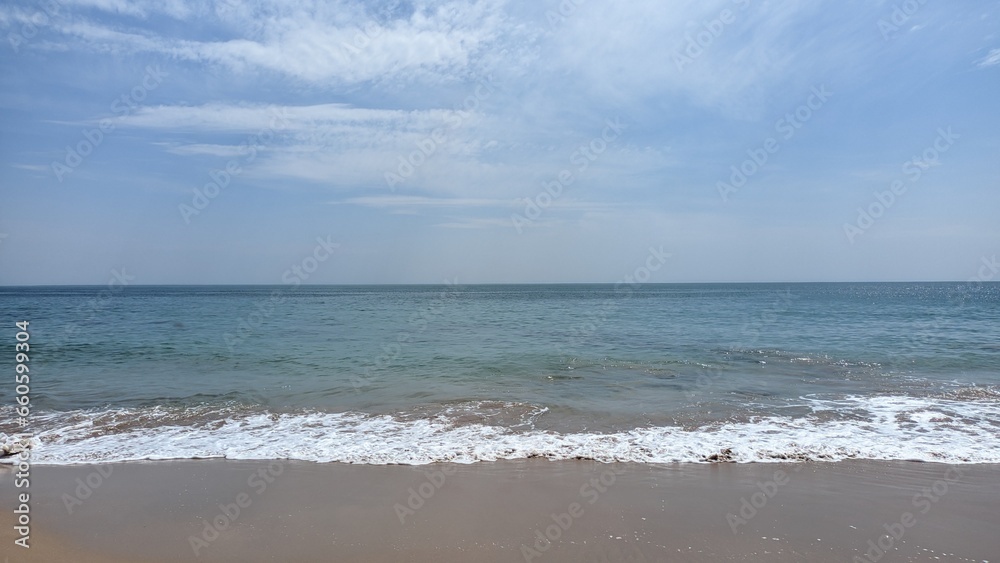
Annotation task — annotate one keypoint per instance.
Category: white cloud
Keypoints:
(225, 151)
(178, 9)
(476, 223)
(221, 117)
(558, 212)
(991, 59)
(680, 54)
(418, 201)
(32, 167)
(334, 144)
(322, 44)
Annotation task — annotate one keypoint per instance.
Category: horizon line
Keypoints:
(5, 286)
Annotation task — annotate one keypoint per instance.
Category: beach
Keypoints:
(689, 422)
(525, 510)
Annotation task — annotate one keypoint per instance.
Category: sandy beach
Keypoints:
(534, 510)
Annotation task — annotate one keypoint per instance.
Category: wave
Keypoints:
(878, 428)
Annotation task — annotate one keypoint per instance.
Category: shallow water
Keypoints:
(415, 374)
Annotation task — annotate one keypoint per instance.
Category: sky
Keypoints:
(492, 141)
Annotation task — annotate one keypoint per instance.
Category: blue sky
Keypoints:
(492, 141)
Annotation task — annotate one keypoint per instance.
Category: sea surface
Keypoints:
(649, 373)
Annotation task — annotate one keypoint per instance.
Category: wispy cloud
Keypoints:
(178, 9)
(321, 43)
(418, 201)
(993, 58)
(236, 117)
(475, 223)
(31, 167)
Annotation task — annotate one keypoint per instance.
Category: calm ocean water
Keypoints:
(417, 374)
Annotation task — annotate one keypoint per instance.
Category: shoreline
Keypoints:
(525, 510)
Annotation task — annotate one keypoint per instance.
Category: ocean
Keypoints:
(647, 373)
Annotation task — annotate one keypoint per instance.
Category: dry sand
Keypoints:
(496, 511)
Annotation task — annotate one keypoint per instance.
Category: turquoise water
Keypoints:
(413, 374)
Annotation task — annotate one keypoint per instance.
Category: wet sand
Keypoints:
(532, 510)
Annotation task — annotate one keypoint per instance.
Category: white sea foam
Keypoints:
(882, 428)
